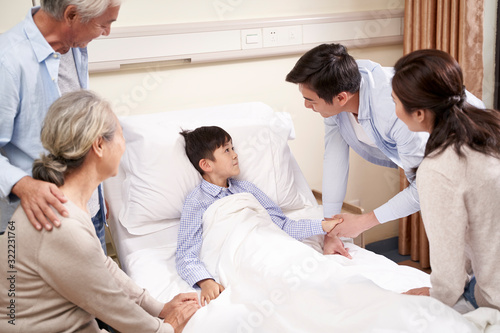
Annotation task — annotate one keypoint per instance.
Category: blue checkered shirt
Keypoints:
(189, 240)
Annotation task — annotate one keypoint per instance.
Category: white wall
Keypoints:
(12, 12)
(140, 12)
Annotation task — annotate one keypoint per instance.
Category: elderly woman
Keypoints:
(60, 280)
(458, 180)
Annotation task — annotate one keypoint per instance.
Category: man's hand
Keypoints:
(37, 198)
(424, 291)
(179, 310)
(354, 224)
(334, 245)
(210, 290)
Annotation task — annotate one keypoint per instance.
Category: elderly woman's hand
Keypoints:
(423, 291)
(179, 310)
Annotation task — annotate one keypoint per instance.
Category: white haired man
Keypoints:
(42, 58)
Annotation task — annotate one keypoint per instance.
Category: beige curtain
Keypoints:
(454, 26)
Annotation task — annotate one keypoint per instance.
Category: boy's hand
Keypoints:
(334, 245)
(210, 290)
(329, 223)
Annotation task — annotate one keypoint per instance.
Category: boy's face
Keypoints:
(226, 162)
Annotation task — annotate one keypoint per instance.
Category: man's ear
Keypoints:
(342, 98)
(97, 146)
(205, 165)
(70, 14)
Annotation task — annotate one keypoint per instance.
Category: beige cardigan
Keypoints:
(61, 280)
(460, 202)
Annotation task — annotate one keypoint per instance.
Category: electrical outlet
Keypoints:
(282, 36)
(270, 37)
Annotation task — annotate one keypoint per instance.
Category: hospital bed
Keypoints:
(273, 283)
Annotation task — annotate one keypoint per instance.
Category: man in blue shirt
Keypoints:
(355, 99)
(41, 58)
(211, 152)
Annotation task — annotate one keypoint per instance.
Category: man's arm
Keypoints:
(410, 148)
(36, 197)
(335, 169)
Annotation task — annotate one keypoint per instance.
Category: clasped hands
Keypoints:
(347, 225)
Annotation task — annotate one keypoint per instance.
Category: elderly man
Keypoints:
(41, 58)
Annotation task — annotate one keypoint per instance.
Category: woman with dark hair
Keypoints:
(459, 179)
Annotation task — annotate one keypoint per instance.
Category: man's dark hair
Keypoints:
(328, 70)
(202, 142)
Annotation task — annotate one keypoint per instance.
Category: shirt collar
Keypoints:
(39, 44)
(215, 190)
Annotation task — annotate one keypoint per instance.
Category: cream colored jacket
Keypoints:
(460, 202)
(60, 280)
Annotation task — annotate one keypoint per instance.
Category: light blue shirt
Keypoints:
(189, 240)
(28, 86)
(397, 146)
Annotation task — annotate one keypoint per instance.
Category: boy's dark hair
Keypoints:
(202, 142)
(328, 70)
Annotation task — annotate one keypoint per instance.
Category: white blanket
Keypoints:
(277, 284)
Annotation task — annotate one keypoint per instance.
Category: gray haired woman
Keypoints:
(60, 280)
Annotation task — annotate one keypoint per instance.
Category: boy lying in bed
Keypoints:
(211, 152)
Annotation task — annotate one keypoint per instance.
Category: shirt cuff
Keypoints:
(384, 214)
(7, 184)
(197, 276)
(317, 228)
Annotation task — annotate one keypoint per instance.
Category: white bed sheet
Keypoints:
(153, 267)
(276, 284)
(149, 259)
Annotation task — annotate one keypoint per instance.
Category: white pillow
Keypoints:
(159, 176)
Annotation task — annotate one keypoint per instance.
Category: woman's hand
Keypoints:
(179, 310)
(210, 290)
(424, 291)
